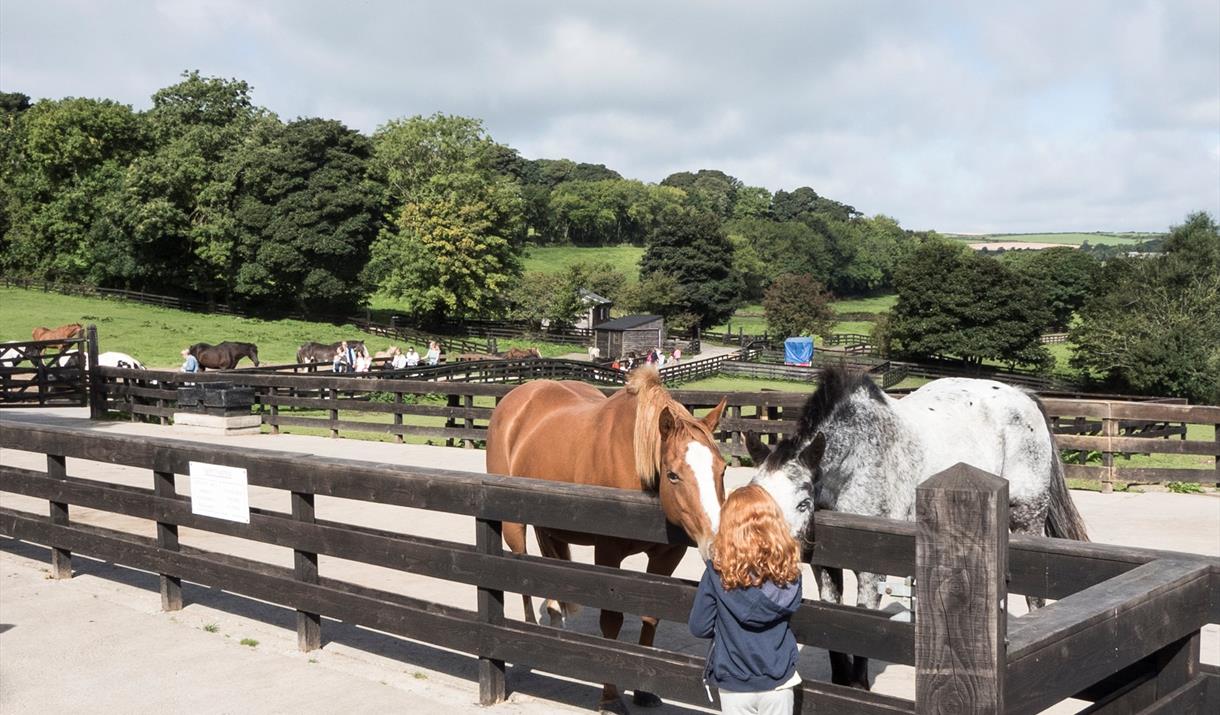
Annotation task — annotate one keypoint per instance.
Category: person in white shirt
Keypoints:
(399, 361)
(434, 353)
(412, 357)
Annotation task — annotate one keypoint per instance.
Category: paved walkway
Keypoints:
(107, 643)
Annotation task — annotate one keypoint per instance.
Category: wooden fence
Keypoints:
(1125, 632)
(457, 412)
(31, 373)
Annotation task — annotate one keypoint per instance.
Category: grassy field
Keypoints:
(155, 336)
(874, 304)
(1066, 238)
(552, 259)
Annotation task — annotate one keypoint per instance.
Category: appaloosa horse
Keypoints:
(223, 356)
(860, 451)
(639, 439)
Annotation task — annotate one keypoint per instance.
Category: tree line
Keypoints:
(210, 196)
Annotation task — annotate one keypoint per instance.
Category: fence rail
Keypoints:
(1143, 608)
(431, 407)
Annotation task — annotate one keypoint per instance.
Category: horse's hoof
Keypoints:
(645, 699)
(612, 707)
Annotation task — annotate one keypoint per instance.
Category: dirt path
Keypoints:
(104, 635)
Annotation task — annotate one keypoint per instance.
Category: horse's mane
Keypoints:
(837, 383)
(652, 401)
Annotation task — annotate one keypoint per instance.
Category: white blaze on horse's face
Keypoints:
(700, 460)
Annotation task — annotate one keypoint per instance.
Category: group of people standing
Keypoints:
(351, 357)
(399, 360)
(654, 356)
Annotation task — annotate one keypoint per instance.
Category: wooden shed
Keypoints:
(597, 309)
(632, 333)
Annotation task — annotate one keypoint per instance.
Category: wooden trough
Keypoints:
(1123, 634)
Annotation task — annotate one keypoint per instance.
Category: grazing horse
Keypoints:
(223, 356)
(324, 352)
(106, 359)
(860, 451)
(639, 439)
(519, 353)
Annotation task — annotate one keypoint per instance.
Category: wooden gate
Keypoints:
(47, 373)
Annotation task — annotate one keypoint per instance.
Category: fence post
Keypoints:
(167, 538)
(305, 568)
(398, 436)
(961, 567)
(493, 687)
(93, 380)
(468, 403)
(1109, 429)
(334, 414)
(451, 400)
(61, 559)
(275, 409)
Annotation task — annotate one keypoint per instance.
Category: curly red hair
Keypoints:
(753, 544)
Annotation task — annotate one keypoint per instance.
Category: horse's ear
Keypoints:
(758, 451)
(812, 455)
(666, 423)
(711, 419)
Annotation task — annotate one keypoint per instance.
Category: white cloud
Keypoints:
(1030, 116)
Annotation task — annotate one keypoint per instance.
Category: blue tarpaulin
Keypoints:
(798, 351)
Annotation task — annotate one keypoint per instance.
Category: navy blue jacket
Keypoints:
(753, 649)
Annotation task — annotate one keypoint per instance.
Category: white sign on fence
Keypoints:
(220, 492)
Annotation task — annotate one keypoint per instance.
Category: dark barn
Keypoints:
(632, 333)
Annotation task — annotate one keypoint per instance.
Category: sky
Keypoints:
(1029, 116)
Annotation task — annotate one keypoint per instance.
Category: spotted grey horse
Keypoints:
(858, 450)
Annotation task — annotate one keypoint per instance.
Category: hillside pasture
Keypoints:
(1063, 239)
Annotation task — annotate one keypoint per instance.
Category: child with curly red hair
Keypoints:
(748, 593)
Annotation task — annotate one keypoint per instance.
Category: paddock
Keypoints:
(208, 553)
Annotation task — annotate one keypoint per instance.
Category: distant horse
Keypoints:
(106, 359)
(71, 331)
(860, 451)
(223, 356)
(324, 352)
(519, 353)
(640, 439)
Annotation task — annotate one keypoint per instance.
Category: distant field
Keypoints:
(1065, 239)
(155, 336)
(552, 259)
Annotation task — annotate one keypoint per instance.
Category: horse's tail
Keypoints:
(1063, 521)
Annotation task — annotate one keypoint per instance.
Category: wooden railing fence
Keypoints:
(47, 373)
(457, 412)
(1125, 632)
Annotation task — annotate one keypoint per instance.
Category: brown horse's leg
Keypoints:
(514, 536)
(553, 548)
(661, 561)
(608, 553)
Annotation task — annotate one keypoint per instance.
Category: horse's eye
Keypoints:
(803, 506)
(673, 477)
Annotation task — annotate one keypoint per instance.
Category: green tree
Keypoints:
(752, 202)
(609, 212)
(766, 249)
(453, 249)
(180, 199)
(1065, 276)
(62, 176)
(692, 247)
(953, 302)
(797, 304)
(709, 190)
(308, 213)
(557, 298)
(1153, 324)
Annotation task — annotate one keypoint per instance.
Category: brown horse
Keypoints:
(639, 439)
(519, 353)
(223, 356)
(70, 331)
